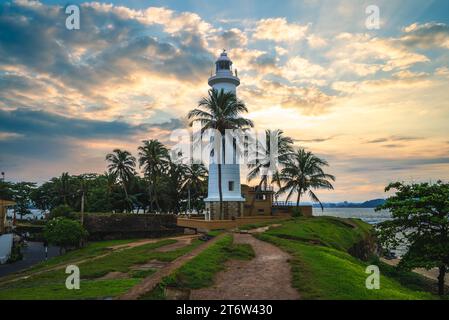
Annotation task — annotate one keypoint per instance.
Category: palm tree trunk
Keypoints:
(299, 198)
(150, 199)
(441, 276)
(220, 192)
(126, 197)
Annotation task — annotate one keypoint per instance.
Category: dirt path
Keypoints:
(266, 277)
(150, 282)
(182, 240)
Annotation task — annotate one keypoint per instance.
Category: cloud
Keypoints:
(229, 39)
(364, 54)
(316, 41)
(315, 140)
(28, 123)
(279, 30)
(307, 100)
(396, 164)
(281, 51)
(394, 139)
(427, 35)
(382, 85)
(117, 52)
(298, 67)
(40, 144)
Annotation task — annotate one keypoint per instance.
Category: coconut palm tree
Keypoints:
(62, 186)
(220, 111)
(154, 158)
(303, 173)
(266, 166)
(121, 165)
(193, 179)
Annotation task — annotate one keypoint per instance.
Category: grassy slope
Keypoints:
(200, 271)
(321, 266)
(51, 284)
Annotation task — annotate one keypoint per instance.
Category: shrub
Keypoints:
(62, 211)
(296, 213)
(64, 233)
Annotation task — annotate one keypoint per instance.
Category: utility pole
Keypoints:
(82, 215)
(188, 191)
(82, 208)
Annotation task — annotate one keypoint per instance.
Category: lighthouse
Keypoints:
(224, 79)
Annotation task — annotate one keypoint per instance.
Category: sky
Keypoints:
(372, 102)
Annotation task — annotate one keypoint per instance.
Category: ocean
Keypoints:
(368, 215)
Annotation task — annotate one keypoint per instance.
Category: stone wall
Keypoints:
(205, 226)
(306, 211)
(231, 209)
(126, 226)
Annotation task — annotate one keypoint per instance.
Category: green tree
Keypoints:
(302, 173)
(22, 196)
(6, 190)
(154, 159)
(194, 178)
(122, 165)
(61, 211)
(268, 165)
(64, 233)
(62, 186)
(220, 111)
(420, 221)
(42, 196)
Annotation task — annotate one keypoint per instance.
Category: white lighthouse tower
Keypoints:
(224, 79)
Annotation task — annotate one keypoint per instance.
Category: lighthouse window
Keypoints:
(231, 185)
(223, 65)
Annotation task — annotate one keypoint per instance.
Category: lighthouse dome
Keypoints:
(224, 77)
(223, 62)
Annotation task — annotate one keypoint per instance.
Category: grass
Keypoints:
(91, 250)
(200, 271)
(322, 268)
(332, 232)
(215, 233)
(99, 289)
(51, 284)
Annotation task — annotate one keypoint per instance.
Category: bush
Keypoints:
(64, 233)
(296, 213)
(62, 211)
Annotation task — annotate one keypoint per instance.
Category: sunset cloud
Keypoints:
(278, 30)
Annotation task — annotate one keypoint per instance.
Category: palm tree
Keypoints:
(220, 111)
(193, 179)
(303, 173)
(62, 185)
(121, 165)
(154, 158)
(266, 166)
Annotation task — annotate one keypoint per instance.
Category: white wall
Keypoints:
(6, 241)
(229, 172)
